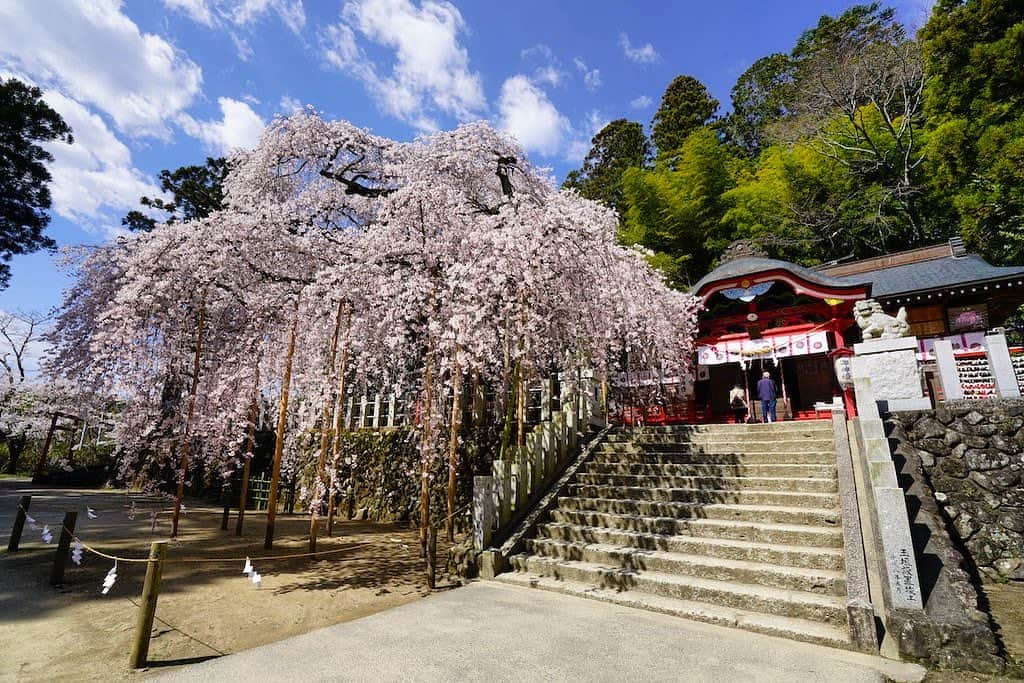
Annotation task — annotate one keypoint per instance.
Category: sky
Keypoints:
(157, 84)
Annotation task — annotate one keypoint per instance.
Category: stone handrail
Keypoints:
(503, 498)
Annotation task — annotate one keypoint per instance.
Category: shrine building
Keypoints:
(763, 314)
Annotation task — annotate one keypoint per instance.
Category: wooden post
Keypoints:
(282, 420)
(41, 465)
(226, 493)
(66, 530)
(183, 465)
(339, 424)
(453, 444)
(19, 524)
(325, 434)
(431, 556)
(147, 607)
(243, 493)
(428, 386)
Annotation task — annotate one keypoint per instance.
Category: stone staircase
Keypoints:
(737, 525)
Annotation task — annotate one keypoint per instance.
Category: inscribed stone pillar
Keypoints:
(999, 363)
(948, 376)
(483, 511)
(891, 364)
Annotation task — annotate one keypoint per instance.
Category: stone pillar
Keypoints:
(571, 426)
(391, 410)
(560, 440)
(502, 473)
(363, 402)
(948, 376)
(891, 364)
(545, 438)
(547, 388)
(483, 511)
(999, 363)
(901, 584)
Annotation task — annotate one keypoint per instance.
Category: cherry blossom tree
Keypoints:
(348, 260)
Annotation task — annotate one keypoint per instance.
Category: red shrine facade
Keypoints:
(764, 315)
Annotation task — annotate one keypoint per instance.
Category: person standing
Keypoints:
(767, 393)
(738, 403)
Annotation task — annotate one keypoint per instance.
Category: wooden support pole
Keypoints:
(427, 448)
(19, 524)
(325, 436)
(41, 465)
(226, 493)
(63, 545)
(339, 426)
(453, 444)
(183, 465)
(431, 556)
(243, 492)
(282, 421)
(147, 607)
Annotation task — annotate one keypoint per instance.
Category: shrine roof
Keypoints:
(750, 266)
(935, 273)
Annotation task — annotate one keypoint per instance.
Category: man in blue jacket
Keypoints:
(767, 393)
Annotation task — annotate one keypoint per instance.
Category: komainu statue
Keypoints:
(876, 324)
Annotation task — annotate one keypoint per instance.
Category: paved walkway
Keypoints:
(493, 632)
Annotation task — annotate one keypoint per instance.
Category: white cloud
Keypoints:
(591, 77)
(644, 54)
(641, 102)
(430, 70)
(549, 67)
(238, 127)
(528, 115)
(219, 13)
(94, 180)
(289, 105)
(92, 51)
(242, 47)
(579, 146)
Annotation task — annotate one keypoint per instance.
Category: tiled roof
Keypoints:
(938, 273)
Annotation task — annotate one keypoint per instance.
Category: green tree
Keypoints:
(675, 209)
(685, 107)
(26, 121)
(197, 190)
(762, 95)
(620, 145)
(974, 100)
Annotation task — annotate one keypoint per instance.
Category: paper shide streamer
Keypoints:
(250, 571)
(91, 513)
(47, 536)
(76, 553)
(109, 579)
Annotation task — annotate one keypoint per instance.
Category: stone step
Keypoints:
(713, 470)
(785, 627)
(722, 446)
(684, 458)
(815, 426)
(716, 437)
(698, 495)
(772, 514)
(794, 484)
(805, 556)
(824, 581)
(827, 537)
(829, 609)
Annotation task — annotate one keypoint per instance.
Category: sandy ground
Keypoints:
(205, 610)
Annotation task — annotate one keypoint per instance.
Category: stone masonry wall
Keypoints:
(972, 453)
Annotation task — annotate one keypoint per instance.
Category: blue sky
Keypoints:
(153, 84)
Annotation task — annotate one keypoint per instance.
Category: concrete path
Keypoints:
(493, 632)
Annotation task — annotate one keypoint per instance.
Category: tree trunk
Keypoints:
(41, 465)
(453, 443)
(183, 465)
(282, 417)
(325, 437)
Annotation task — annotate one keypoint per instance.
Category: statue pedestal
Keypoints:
(891, 364)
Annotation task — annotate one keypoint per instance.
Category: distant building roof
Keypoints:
(920, 270)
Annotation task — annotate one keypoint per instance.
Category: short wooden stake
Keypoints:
(19, 523)
(431, 556)
(147, 607)
(226, 493)
(63, 545)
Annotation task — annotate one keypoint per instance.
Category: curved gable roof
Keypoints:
(758, 269)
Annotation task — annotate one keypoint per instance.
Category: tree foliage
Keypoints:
(26, 122)
(620, 145)
(974, 100)
(686, 106)
(761, 96)
(196, 191)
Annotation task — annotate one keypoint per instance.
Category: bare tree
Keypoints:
(19, 334)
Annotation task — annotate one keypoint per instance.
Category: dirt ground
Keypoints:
(205, 609)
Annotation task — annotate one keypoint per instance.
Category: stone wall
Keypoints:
(972, 454)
